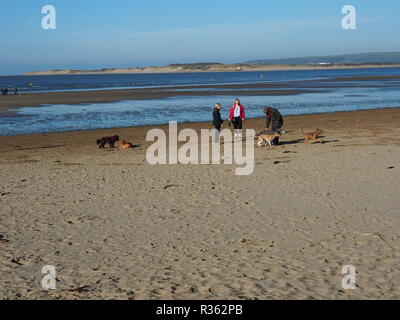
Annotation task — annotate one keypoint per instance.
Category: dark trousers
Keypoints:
(276, 127)
(237, 123)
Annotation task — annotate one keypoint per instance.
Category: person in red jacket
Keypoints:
(237, 117)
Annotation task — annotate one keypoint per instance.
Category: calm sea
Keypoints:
(333, 96)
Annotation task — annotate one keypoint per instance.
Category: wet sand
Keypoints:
(101, 96)
(116, 227)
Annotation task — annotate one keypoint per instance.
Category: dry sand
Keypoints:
(116, 227)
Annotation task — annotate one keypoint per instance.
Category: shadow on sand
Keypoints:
(296, 141)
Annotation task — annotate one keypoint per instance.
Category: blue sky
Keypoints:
(128, 33)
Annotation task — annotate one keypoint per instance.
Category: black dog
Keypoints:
(110, 140)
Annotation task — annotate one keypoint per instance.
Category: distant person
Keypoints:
(6, 91)
(274, 118)
(237, 116)
(3, 91)
(15, 91)
(217, 121)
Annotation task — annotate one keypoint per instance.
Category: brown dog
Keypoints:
(125, 145)
(263, 139)
(312, 136)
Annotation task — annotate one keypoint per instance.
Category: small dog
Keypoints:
(312, 136)
(110, 140)
(125, 145)
(263, 139)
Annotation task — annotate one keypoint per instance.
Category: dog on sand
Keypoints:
(107, 140)
(263, 139)
(314, 136)
(125, 145)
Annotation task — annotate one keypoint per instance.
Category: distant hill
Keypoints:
(358, 58)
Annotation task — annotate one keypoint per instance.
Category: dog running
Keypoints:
(314, 136)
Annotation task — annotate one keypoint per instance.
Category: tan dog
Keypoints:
(312, 136)
(125, 145)
(263, 139)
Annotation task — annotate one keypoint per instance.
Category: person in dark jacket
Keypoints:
(274, 118)
(217, 121)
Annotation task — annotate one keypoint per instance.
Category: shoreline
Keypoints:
(250, 123)
(190, 124)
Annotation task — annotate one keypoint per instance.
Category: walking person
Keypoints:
(237, 116)
(274, 117)
(217, 121)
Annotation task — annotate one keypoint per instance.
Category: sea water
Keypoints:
(333, 96)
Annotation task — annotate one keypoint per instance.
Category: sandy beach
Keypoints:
(116, 227)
